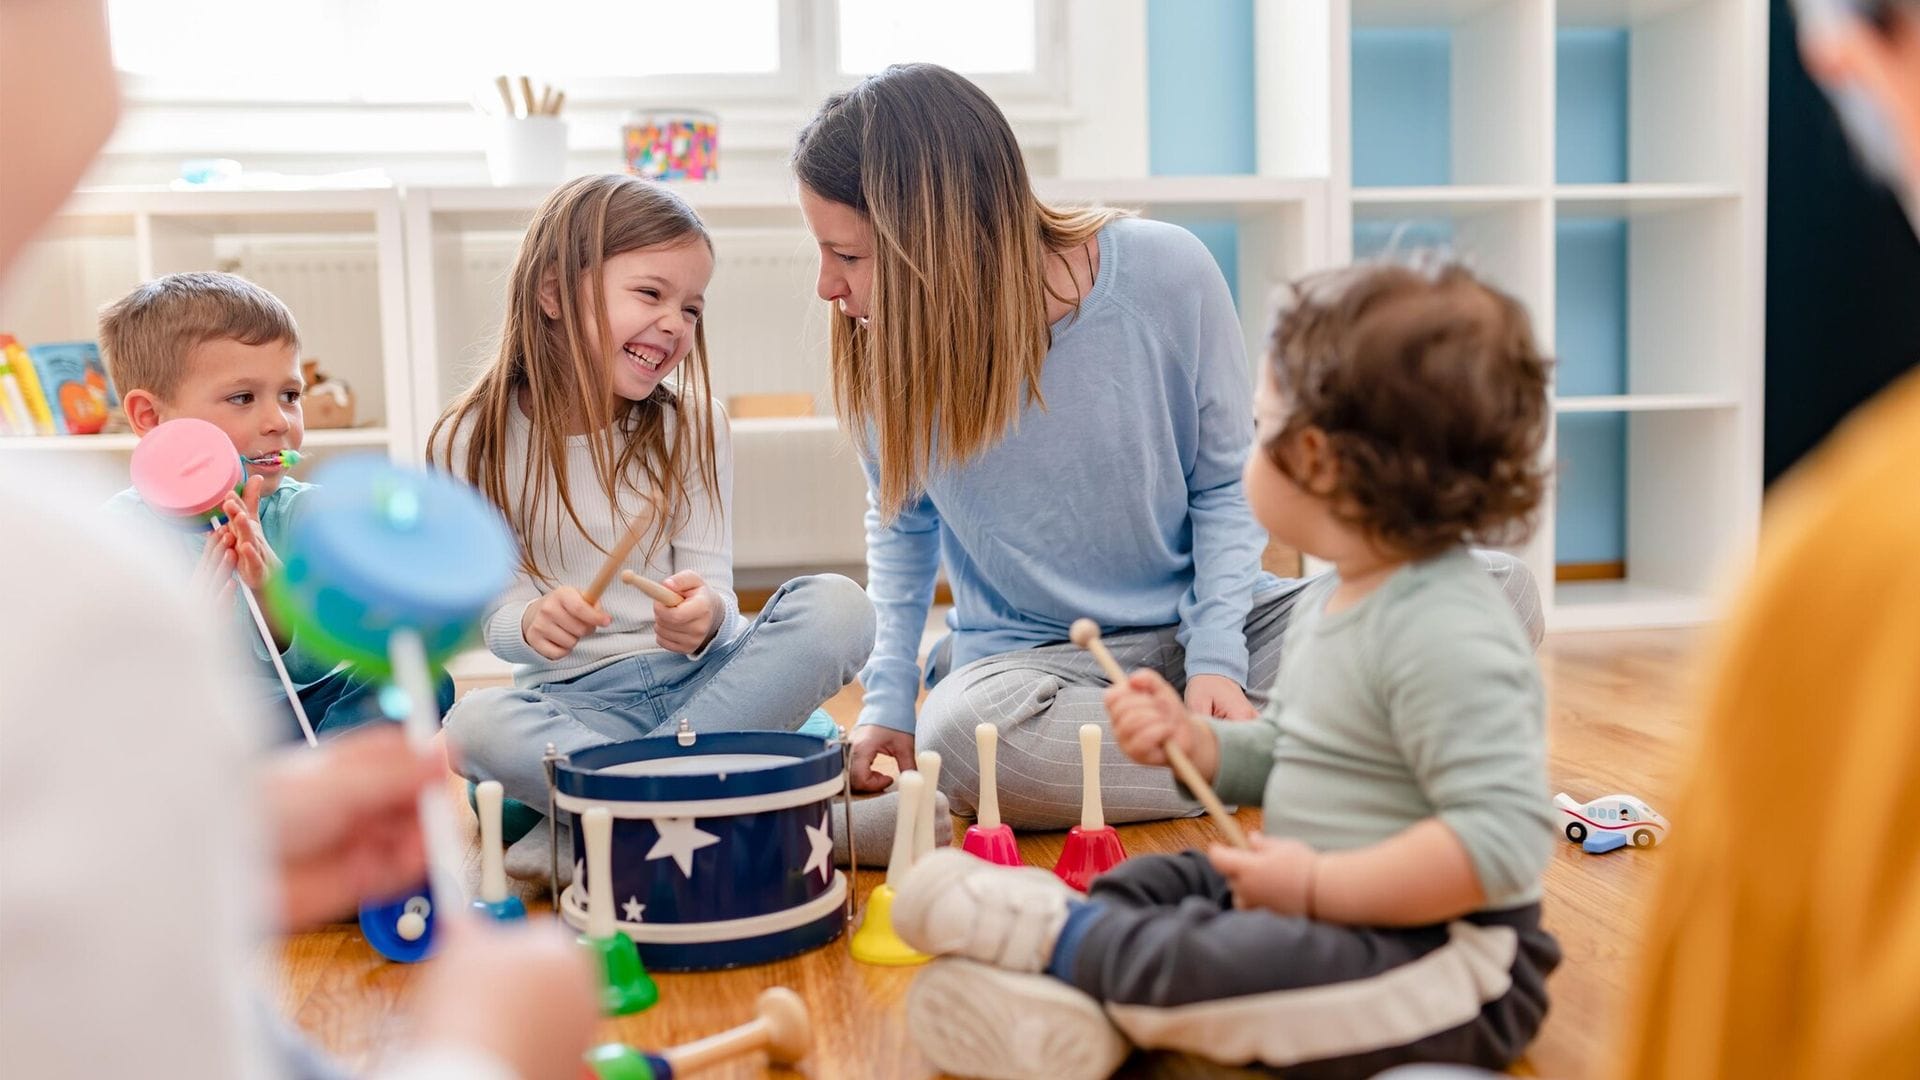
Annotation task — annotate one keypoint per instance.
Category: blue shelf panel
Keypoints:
(1402, 106)
(1589, 513)
(1590, 106)
(1590, 304)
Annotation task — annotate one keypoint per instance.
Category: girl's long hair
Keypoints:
(561, 365)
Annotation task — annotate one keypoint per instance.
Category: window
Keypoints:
(628, 51)
(976, 38)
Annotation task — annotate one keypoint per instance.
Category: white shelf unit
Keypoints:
(798, 493)
(334, 256)
(1604, 161)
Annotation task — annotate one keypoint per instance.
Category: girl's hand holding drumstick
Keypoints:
(685, 613)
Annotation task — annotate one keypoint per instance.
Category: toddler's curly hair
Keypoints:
(1433, 397)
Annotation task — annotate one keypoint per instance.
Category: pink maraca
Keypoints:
(185, 468)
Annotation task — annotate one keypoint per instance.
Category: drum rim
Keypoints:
(814, 760)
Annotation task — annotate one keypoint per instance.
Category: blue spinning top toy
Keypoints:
(390, 568)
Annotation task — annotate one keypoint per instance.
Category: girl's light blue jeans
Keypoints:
(810, 639)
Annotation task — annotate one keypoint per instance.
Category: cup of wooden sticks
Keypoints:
(527, 143)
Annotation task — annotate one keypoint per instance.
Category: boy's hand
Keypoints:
(254, 557)
(344, 820)
(1219, 696)
(555, 623)
(213, 576)
(1276, 875)
(1146, 713)
(686, 627)
(525, 995)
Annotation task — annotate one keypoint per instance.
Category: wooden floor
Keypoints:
(1618, 722)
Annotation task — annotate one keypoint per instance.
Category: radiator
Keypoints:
(333, 290)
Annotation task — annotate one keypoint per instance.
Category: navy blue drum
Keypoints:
(722, 844)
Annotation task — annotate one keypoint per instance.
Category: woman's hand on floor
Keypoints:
(1220, 697)
(870, 741)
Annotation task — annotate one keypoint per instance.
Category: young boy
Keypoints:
(221, 349)
(1391, 911)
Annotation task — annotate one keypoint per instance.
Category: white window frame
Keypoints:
(809, 70)
(1046, 84)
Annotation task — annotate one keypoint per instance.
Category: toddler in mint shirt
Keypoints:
(1389, 911)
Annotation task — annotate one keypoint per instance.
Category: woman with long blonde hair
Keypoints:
(594, 417)
(1054, 403)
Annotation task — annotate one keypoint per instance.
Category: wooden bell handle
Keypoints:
(1092, 814)
(1086, 634)
(488, 799)
(912, 789)
(597, 823)
(986, 739)
(781, 1026)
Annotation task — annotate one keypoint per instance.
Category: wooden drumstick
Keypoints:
(928, 764)
(1086, 634)
(781, 1026)
(661, 594)
(614, 558)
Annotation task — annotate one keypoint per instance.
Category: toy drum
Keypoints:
(184, 469)
(722, 844)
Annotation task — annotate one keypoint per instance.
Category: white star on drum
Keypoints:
(634, 907)
(679, 839)
(821, 856)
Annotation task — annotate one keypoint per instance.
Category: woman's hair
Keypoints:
(1432, 395)
(561, 365)
(958, 326)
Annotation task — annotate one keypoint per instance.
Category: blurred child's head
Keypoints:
(215, 347)
(1401, 411)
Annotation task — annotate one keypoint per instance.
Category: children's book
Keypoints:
(14, 418)
(40, 417)
(76, 385)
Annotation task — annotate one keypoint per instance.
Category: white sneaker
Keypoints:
(974, 1020)
(953, 902)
